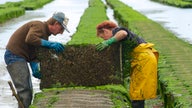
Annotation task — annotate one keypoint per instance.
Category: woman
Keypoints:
(143, 83)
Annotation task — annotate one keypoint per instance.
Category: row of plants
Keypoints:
(11, 10)
(49, 97)
(86, 30)
(86, 35)
(177, 3)
(174, 85)
(9, 13)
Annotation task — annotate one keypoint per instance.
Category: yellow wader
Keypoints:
(143, 84)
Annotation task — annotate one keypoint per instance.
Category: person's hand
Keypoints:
(101, 46)
(35, 70)
(105, 44)
(58, 47)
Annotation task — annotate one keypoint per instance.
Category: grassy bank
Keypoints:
(11, 10)
(176, 3)
(9, 13)
(51, 97)
(175, 59)
(86, 30)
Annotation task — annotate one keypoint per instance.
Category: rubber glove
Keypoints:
(105, 43)
(35, 70)
(58, 47)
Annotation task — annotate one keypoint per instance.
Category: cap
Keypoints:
(60, 17)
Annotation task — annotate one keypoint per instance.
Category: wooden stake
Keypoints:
(15, 94)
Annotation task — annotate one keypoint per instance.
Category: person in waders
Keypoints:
(144, 60)
(20, 51)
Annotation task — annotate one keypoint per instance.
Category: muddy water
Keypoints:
(177, 20)
(73, 10)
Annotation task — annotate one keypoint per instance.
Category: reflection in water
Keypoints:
(177, 20)
(73, 10)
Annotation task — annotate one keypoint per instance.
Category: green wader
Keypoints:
(21, 78)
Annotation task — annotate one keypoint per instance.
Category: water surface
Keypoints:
(177, 20)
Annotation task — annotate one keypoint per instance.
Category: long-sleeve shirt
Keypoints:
(26, 38)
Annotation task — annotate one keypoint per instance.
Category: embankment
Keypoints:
(11, 10)
(176, 3)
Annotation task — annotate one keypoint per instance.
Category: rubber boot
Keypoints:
(21, 78)
(138, 104)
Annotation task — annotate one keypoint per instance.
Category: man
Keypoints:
(21, 49)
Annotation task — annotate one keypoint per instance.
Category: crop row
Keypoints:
(177, 3)
(11, 10)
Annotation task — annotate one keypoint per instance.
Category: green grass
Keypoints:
(9, 13)
(119, 95)
(11, 10)
(86, 31)
(34, 4)
(176, 3)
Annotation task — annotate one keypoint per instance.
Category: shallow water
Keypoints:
(177, 20)
(73, 9)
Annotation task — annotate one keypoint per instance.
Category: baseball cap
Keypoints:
(60, 17)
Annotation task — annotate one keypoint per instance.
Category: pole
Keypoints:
(15, 94)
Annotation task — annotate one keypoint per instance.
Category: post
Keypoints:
(15, 94)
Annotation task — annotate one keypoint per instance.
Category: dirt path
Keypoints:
(76, 99)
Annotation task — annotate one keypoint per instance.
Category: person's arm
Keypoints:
(117, 37)
(122, 34)
(35, 70)
(36, 36)
(37, 40)
(58, 47)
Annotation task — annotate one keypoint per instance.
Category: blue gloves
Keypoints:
(105, 44)
(35, 70)
(58, 47)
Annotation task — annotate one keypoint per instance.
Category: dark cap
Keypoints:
(60, 17)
